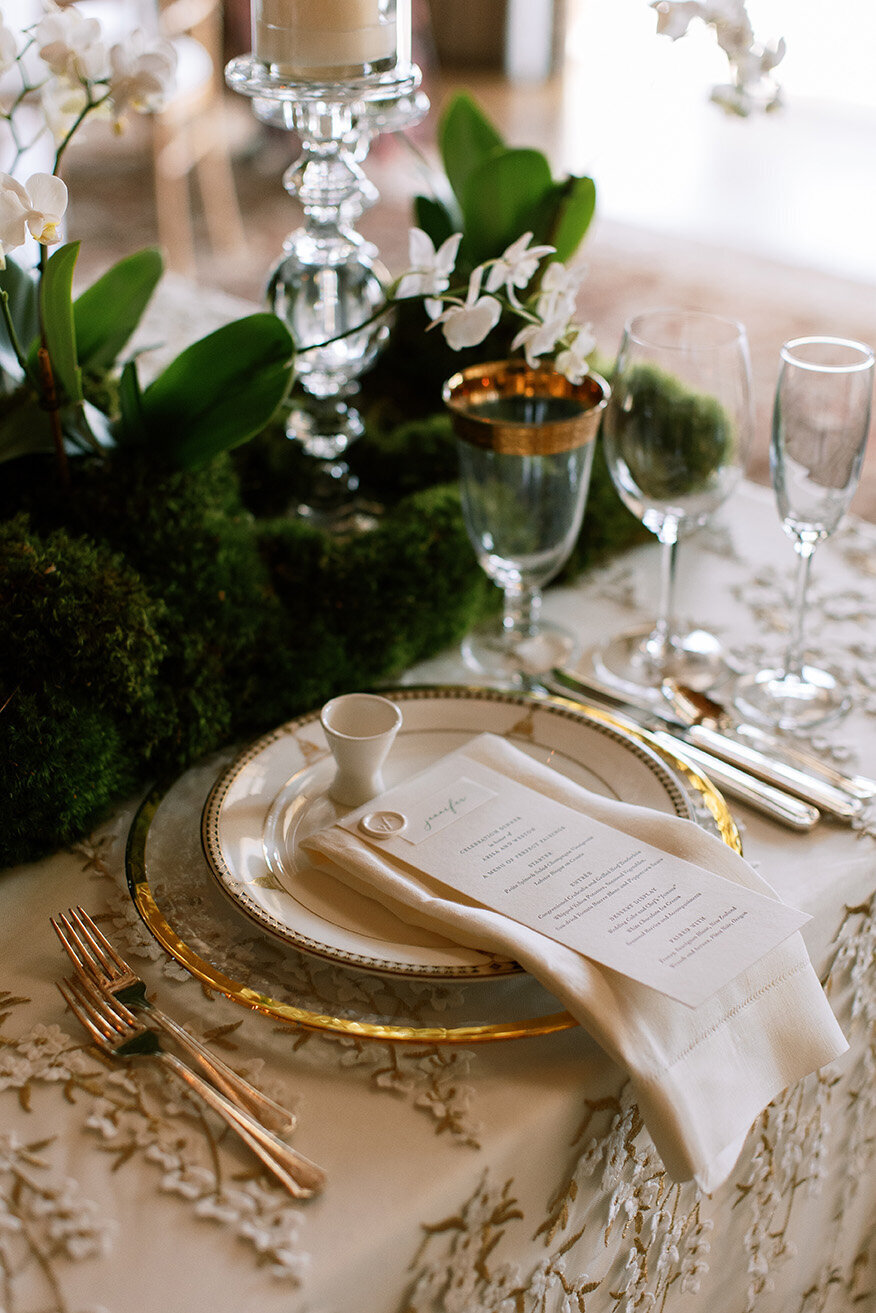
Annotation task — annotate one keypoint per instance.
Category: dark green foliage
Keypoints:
(151, 614)
(63, 764)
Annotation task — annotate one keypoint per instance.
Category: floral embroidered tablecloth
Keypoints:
(505, 1178)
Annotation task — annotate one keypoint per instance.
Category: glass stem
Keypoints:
(794, 652)
(522, 608)
(659, 643)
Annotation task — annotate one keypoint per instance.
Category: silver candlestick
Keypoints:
(328, 285)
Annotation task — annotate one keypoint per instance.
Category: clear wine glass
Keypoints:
(525, 439)
(821, 418)
(676, 437)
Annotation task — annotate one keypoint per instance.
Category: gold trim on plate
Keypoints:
(306, 1019)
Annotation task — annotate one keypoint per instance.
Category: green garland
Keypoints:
(149, 615)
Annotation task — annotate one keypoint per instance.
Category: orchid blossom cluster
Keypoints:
(466, 316)
(62, 69)
(751, 61)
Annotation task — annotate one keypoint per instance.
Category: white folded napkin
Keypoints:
(701, 1075)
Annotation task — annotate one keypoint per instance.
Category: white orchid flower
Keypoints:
(141, 74)
(515, 269)
(559, 291)
(540, 339)
(572, 361)
(8, 47)
(429, 274)
(62, 102)
(469, 323)
(71, 45)
(36, 208)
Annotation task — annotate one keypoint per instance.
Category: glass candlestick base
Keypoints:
(328, 286)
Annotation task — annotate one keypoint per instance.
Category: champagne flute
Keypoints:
(525, 438)
(676, 437)
(821, 418)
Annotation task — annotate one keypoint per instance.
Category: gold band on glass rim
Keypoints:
(468, 391)
(305, 1018)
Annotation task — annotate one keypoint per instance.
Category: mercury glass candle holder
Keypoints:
(337, 73)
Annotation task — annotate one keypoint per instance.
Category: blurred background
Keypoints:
(770, 219)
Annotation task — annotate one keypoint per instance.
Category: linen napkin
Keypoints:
(701, 1075)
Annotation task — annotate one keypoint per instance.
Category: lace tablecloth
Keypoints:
(505, 1178)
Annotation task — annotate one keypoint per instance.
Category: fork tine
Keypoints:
(84, 1013)
(64, 931)
(98, 940)
(105, 1009)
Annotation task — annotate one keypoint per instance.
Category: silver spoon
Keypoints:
(763, 754)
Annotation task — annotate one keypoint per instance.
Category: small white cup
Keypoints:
(360, 728)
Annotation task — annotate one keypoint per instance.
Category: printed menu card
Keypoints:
(652, 916)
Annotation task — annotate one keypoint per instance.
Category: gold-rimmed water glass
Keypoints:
(525, 438)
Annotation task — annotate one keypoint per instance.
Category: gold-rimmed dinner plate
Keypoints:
(275, 793)
(188, 912)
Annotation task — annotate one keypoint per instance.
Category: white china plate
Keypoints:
(275, 792)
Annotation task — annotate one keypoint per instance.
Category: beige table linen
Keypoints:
(701, 1075)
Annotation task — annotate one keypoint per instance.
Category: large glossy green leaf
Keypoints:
(56, 315)
(502, 198)
(570, 212)
(219, 391)
(24, 428)
(466, 138)
(130, 427)
(21, 287)
(433, 218)
(106, 314)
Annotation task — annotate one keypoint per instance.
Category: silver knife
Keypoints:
(825, 796)
(766, 798)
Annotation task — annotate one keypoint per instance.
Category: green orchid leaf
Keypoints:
(131, 427)
(22, 289)
(503, 197)
(24, 427)
(434, 219)
(106, 314)
(466, 138)
(56, 314)
(566, 215)
(220, 391)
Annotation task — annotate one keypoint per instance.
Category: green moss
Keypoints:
(148, 616)
(63, 765)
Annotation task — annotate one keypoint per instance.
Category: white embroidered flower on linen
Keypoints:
(71, 45)
(468, 323)
(36, 208)
(141, 74)
(429, 274)
(516, 268)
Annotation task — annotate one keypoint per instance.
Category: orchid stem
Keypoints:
(53, 410)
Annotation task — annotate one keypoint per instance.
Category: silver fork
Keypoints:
(116, 1031)
(94, 958)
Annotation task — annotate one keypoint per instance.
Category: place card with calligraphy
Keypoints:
(646, 913)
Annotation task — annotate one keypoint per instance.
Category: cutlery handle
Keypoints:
(859, 786)
(270, 1113)
(763, 797)
(819, 793)
(301, 1177)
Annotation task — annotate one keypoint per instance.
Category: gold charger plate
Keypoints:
(222, 941)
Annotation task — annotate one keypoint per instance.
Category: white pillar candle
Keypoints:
(303, 36)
